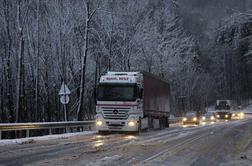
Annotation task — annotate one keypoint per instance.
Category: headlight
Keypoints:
(212, 118)
(131, 124)
(217, 116)
(194, 119)
(226, 116)
(184, 119)
(203, 118)
(98, 122)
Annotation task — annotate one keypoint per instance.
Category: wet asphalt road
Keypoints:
(208, 144)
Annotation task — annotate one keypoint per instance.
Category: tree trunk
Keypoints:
(37, 66)
(80, 110)
(19, 61)
(19, 78)
(8, 65)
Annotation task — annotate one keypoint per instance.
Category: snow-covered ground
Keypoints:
(43, 138)
(248, 110)
(245, 157)
(221, 143)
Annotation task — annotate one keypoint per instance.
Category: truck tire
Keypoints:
(162, 123)
(150, 122)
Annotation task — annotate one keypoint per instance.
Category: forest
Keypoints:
(202, 48)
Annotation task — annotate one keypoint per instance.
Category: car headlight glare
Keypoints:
(99, 123)
(184, 119)
(217, 116)
(194, 119)
(131, 124)
(203, 118)
(212, 118)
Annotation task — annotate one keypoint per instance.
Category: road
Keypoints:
(210, 144)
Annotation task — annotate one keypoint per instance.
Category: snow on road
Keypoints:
(221, 143)
(245, 157)
(43, 138)
(104, 161)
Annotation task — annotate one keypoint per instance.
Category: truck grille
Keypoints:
(115, 114)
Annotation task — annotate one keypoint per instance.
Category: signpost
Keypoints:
(64, 97)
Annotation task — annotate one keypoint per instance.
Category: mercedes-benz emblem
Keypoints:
(115, 112)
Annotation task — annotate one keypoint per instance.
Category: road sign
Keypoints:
(64, 90)
(64, 99)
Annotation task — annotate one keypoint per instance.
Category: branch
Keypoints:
(98, 7)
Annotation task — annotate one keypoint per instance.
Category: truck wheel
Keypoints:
(163, 123)
(150, 122)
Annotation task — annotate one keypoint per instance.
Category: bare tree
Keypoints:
(88, 16)
(20, 60)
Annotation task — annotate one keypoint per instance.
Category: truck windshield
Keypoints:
(223, 105)
(117, 92)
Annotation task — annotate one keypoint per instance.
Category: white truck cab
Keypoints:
(119, 101)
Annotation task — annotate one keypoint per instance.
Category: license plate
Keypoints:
(115, 123)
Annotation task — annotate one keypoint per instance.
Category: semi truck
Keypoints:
(131, 102)
(223, 109)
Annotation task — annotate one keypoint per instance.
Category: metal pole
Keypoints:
(50, 131)
(27, 133)
(65, 111)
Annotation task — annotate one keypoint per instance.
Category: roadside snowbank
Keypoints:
(43, 138)
(248, 109)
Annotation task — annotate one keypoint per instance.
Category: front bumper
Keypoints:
(209, 120)
(190, 122)
(117, 125)
(223, 116)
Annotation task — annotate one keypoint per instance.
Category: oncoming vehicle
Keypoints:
(190, 118)
(238, 115)
(223, 109)
(132, 101)
(208, 117)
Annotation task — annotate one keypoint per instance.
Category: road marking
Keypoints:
(172, 148)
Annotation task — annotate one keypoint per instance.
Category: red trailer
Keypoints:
(156, 99)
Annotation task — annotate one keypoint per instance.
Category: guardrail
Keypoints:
(84, 125)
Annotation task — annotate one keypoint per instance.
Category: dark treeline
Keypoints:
(46, 42)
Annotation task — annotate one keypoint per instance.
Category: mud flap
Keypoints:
(156, 123)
